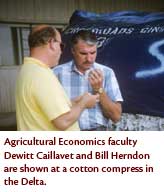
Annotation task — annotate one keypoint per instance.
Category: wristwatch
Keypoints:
(100, 90)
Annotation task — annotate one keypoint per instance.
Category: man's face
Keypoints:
(57, 49)
(84, 55)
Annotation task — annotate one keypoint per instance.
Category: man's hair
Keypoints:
(41, 35)
(84, 35)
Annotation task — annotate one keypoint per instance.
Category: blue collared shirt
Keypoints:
(75, 83)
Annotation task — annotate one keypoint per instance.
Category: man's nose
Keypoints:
(89, 58)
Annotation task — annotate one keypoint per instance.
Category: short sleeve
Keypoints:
(50, 96)
(112, 86)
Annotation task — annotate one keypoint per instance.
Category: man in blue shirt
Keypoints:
(84, 74)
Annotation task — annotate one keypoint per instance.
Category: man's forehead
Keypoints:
(86, 46)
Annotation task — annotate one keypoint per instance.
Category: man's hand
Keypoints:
(96, 79)
(89, 100)
(76, 100)
(80, 103)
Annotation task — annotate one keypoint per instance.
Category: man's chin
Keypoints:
(88, 66)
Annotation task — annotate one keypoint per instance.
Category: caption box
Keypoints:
(38, 160)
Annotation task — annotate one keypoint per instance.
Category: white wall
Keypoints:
(8, 77)
(6, 47)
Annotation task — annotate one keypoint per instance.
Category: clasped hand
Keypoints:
(96, 79)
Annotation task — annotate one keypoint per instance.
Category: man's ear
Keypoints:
(72, 51)
(52, 44)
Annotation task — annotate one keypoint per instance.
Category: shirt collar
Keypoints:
(74, 68)
(36, 61)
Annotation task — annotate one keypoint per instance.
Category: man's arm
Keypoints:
(64, 121)
(111, 110)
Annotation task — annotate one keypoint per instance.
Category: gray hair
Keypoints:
(84, 35)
